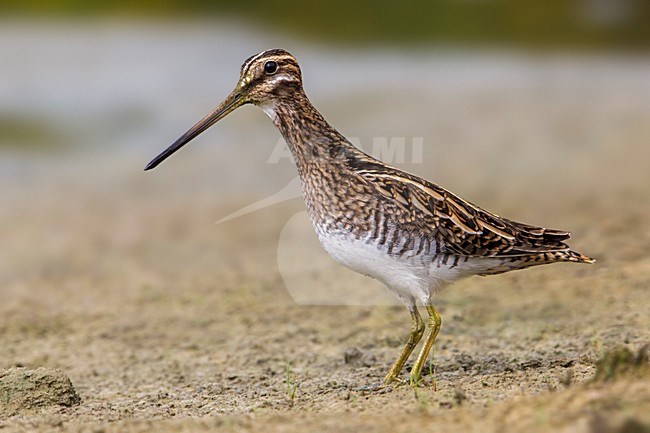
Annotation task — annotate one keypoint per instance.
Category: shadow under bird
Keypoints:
(410, 234)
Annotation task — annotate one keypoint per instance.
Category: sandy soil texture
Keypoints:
(163, 320)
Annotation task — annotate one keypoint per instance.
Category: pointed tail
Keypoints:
(574, 256)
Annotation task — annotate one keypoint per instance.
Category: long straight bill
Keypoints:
(233, 101)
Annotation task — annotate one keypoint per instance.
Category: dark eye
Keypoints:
(270, 67)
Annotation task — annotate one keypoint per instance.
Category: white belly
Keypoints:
(411, 277)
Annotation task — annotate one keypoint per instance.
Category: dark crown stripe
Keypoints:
(279, 55)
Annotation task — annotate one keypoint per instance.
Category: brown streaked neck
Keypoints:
(309, 137)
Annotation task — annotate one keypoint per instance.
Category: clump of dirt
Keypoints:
(22, 388)
(621, 361)
(356, 357)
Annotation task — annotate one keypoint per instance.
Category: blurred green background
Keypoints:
(550, 23)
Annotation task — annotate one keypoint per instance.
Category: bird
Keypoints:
(412, 235)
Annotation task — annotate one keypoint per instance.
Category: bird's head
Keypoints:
(264, 79)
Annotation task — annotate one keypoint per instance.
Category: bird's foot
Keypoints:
(394, 380)
(412, 381)
(417, 381)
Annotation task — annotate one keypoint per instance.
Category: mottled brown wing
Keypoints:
(460, 226)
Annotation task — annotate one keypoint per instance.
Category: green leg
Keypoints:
(414, 337)
(434, 327)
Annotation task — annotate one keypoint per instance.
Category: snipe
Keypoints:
(410, 234)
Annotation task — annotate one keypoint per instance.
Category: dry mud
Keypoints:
(163, 320)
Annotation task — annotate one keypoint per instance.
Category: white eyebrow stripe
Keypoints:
(250, 62)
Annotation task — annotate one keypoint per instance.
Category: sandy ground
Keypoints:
(164, 321)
